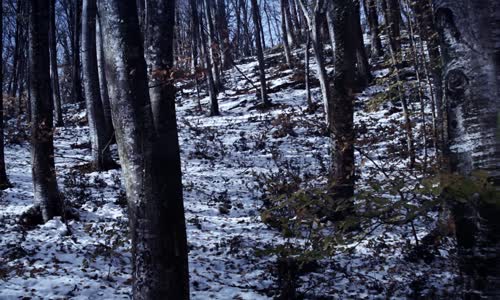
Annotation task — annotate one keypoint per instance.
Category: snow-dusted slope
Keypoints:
(89, 258)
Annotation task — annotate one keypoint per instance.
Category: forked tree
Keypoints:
(147, 145)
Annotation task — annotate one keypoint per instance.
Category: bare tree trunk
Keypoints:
(342, 106)
(103, 81)
(313, 23)
(154, 239)
(285, 38)
(392, 15)
(363, 67)
(372, 17)
(470, 40)
(212, 44)
(260, 53)
(290, 34)
(46, 192)
(214, 104)
(4, 182)
(310, 105)
(223, 30)
(99, 136)
(172, 272)
(56, 91)
(76, 88)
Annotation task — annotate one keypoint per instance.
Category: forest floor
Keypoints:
(224, 159)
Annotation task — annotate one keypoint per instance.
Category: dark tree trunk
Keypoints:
(342, 102)
(157, 229)
(289, 33)
(212, 44)
(56, 91)
(470, 40)
(46, 191)
(76, 87)
(103, 81)
(284, 34)
(223, 30)
(4, 182)
(172, 269)
(260, 53)
(363, 67)
(214, 104)
(392, 15)
(99, 136)
(372, 17)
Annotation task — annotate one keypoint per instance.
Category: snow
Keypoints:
(89, 258)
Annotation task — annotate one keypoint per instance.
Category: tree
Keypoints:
(313, 15)
(76, 86)
(103, 82)
(153, 190)
(46, 191)
(260, 53)
(392, 15)
(100, 139)
(56, 91)
(173, 271)
(342, 101)
(212, 91)
(470, 43)
(372, 16)
(285, 35)
(4, 182)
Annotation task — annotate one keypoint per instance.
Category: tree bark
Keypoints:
(76, 87)
(46, 191)
(56, 91)
(4, 182)
(314, 27)
(392, 13)
(212, 44)
(158, 271)
(223, 30)
(99, 136)
(470, 40)
(285, 38)
(214, 104)
(372, 17)
(342, 102)
(260, 53)
(103, 81)
(172, 252)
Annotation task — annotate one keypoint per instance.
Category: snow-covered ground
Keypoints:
(89, 258)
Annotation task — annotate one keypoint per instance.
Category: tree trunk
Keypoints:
(470, 40)
(212, 44)
(260, 53)
(214, 104)
(372, 17)
(76, 87)
(223, 29)
(342, 102)
(103, 81)
(4, 182)
(284, 31)
(314, 26)
(46, 191)
(172, 272)
(363, 67)
(99, 136)
(56, 91)
(392, 15)
(153, 232)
